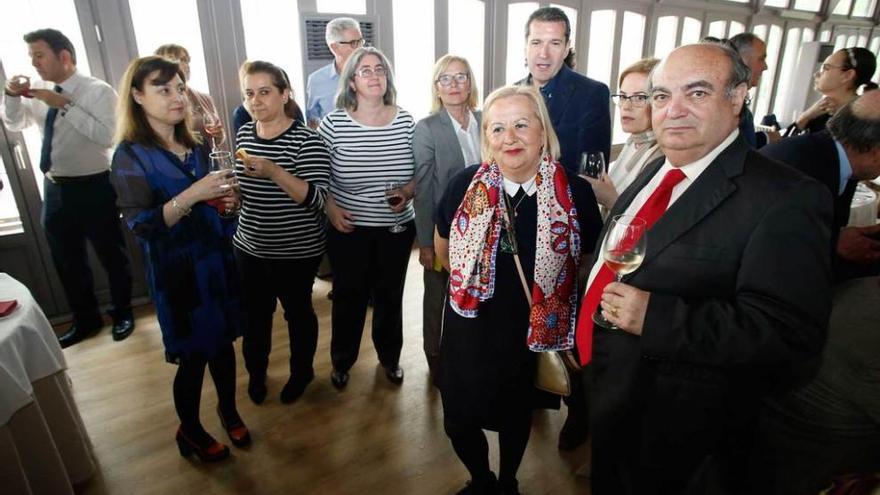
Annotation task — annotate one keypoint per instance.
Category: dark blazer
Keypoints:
(580, 110)
(438, 158)
(738, 275)
(816, 155)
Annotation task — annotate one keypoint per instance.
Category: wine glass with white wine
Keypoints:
(623, 251)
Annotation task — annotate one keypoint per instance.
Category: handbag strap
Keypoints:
(519, 268)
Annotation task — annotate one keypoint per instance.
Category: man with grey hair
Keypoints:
(849, 151)
(731, 297)
(343, 36)
(753, 51)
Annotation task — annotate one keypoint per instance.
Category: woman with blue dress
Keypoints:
(161, 174)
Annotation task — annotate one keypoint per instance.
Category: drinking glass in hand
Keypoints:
(212, 124)
(592, 164)
(394, 198)
(622, 250)
(221, 163)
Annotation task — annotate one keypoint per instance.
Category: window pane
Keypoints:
(842, 7)
(271, 33)
(735, 28)
(776, 3)
(738, 1)
(20, 17)
(862, 40)
(351, 7)
(572, 15)
(811, 5)
(10, 220)
(839, 42)
(761, 32)
(602, 24)
(414, 83)
(851, 41)
(765, 89)
(863, 8)
(808, 35)
(154, 27)
(667, 27)
(789, 58)
(690, 32)
(718, 29)
(630, 52)
(825, 37)
(875, 48)
(466, 16)
(517, 15)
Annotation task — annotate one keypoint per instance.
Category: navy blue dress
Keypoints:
(190, 268)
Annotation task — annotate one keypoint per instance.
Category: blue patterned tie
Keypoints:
(48, 131)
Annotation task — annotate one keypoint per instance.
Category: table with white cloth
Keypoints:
(44, 446)
(863, 209)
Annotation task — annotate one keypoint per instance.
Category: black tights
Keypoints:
(469, 443)
(188, 389)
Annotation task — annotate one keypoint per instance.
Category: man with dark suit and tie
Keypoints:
(732, 294)
(849, 151)
(77, 120)
(580, 110)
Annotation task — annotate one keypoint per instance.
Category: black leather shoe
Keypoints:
(485, 486)
(257, 389)
(394, 374)
(339, 379)
(76, 334)
(295, 387)
(122, 328)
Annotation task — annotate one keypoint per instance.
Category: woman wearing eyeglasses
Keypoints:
(838, 79)
(369, 208)
(634, 107)
(445, 142)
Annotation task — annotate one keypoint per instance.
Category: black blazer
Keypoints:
(738, 271)
(580, 110)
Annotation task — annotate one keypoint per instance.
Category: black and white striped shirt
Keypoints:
(363, 159)
(272, 224)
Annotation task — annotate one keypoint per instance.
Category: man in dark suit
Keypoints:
(849, 151)
(579, 107)
(731, 296)
(580, 110)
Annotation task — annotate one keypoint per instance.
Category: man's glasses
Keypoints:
(446, 79)
(353, 43)
(367, 72)
(637, 100)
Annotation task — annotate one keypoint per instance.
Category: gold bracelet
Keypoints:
(179, 209)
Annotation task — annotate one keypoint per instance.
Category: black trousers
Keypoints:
(263, 282)
(370, 261)
(73, 213)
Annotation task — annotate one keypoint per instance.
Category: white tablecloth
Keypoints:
(863, 210)
(44, 447)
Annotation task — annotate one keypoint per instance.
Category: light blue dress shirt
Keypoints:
(845, 168)
(321, 92)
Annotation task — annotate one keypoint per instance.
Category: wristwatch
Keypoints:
(66, 108)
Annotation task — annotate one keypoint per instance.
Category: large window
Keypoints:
(572, 15)
(350, 7)
(602, 24)
(863, 8)
(271, 33)
(811, 5)
(517, 15)
(630, 52)
(842, 7)
(18, 18)
(667, 29)
(773, 38)
(466, 25)
(690, 32)
(153, 27)
(414, 51)
(789, 60)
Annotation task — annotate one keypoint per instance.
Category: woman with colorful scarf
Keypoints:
(520, 203)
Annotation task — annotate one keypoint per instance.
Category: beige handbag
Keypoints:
(551, 374)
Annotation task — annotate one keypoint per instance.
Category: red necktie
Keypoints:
(651, 211)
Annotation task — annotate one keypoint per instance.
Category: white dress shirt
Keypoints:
(691, 171)
(468, 140)
(83, 135)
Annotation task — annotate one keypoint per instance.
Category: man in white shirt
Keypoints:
(343, 36)
(77, 120)
(732, 296)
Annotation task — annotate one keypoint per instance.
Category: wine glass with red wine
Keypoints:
(623, 251)
(394, 197)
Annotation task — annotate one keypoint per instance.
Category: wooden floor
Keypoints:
(371, 438)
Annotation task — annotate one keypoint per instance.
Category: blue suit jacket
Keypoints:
(580, 110)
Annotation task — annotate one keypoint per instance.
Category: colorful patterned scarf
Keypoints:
(473, 247)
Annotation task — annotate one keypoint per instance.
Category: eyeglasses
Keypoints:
(446, 79)
(353, 43)
(367, 72)
(637, 100)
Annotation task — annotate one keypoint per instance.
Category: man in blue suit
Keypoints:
(580, 110)
(579, 106)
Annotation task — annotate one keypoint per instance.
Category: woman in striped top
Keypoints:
(280, 237)
(370, 142)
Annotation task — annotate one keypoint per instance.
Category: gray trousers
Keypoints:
(432, 316)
